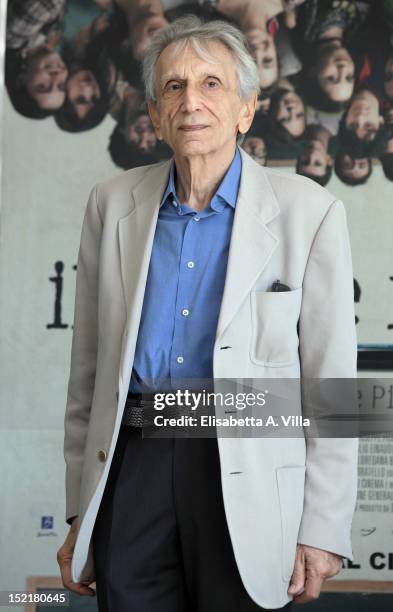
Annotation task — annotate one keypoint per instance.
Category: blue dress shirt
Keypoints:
(184, 288)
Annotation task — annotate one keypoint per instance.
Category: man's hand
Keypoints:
(312, 566)
(64, 557)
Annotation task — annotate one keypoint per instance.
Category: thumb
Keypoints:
(298, 574)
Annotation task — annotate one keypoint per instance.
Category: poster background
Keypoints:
(47, 175)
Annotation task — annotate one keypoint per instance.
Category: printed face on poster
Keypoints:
(325, 109)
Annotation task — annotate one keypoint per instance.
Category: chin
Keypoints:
(193, 147)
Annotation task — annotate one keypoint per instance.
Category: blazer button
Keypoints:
(102, 455)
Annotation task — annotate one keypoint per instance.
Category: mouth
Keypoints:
(192, 128)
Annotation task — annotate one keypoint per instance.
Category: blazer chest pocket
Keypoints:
(274, 317)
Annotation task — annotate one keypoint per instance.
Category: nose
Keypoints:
(86, 90)
(265, 44)
(144, 142)
(341, 66)
(190, 98)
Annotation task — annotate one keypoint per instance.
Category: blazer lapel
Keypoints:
(136, 234)
(252, 242)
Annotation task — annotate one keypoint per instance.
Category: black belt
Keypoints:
(139, 410)
(136, 408)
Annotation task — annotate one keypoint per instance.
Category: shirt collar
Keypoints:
(227, 190)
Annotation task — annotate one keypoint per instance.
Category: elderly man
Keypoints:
(175, 270)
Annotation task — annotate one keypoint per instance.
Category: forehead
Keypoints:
(188, 63)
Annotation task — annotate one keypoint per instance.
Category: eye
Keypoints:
(212, 84)
(173, 86)
(350, 78)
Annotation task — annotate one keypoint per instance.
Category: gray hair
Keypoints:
(190, 29)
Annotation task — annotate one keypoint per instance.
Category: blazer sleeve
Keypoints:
(328, 349)
(83, 354)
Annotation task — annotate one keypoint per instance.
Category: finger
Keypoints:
(299, 573)
(80, 588)
(312, 590)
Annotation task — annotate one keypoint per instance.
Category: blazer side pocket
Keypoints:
(290, 483)
(274, 317)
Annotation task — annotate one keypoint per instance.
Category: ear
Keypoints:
(247, 113)
(330, 160)
(155, 119)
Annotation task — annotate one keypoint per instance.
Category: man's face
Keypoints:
(388, 78)
(255, 147)
(46, 80)
(315, 159)
(264, 52)
(354, 168)
(198, 109)
(363, 116)
(290, 113)
(336, 74)
(83, 92)
(141, 133)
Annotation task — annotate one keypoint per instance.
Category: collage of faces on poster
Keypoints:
(325, 69)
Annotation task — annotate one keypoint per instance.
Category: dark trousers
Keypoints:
(160, 541)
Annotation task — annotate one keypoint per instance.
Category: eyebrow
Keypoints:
(175, 77)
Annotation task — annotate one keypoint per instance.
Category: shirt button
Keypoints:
(190, 264)
(196, 218)
(185, 312)
(179, 359)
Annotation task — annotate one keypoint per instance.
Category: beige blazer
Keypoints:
(277, 492)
